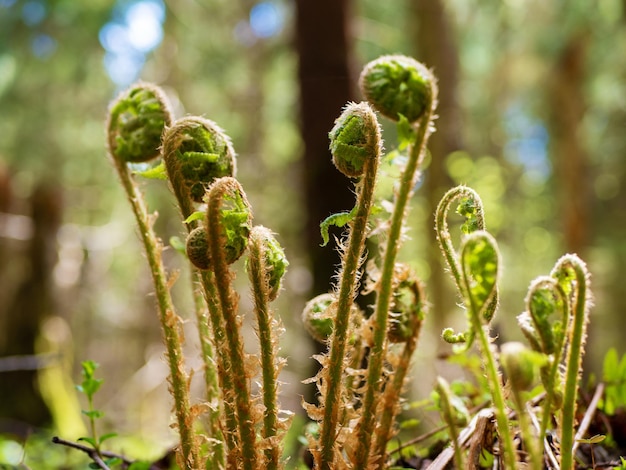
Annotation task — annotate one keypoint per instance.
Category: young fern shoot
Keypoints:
(266, 267)
(470, 206)
(406, 318)
(403, 90)
(475, 271)
(480, 263)
(356, 147)
(195, 153)
(228, 225)
(544, 300)
(572, 275)
(135, 124)
(519, 364)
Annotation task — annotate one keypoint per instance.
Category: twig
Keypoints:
(93, 454)
(419, 439)
(28, 362)
(90, 451)
(432, 432)
(448, 453)
(591, 410)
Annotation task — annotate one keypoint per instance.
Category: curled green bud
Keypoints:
(355, 138)
(197, 248)
(480, 262)
(135, 123)
(196, 152)
(275, 260)
(407, 306)
(398, 85)
(470, 208)
(319, 314)
(546, 299)
(520, 364)
(318, 318)
(450, 337)
(228, 209)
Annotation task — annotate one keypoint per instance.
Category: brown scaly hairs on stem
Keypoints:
(266, 266)
(356, 146)
(228, 224)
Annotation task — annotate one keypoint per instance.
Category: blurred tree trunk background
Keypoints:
(326, 85)
(435, 45)
(23, 313)
(568, 104)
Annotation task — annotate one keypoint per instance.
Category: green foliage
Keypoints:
(406, 133)
(198, 215)
(614, 377)
(90, 385)
(155, 173)
(545, 300)
(337, 220)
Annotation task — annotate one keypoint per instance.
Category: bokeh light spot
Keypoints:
(606, 186)
(33, 12)
(134, 32)
(8, 71)
(266, 20)
(537, 240)
(527, 143)
(114, 38)
(144, 25)
(123, 69)
(460, 166)
(43, 46)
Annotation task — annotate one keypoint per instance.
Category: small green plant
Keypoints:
(89, 386)
(366, 363)
(101, 459)
(614, 378)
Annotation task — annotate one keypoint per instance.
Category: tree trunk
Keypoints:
(436, 48)
(20, 400)
(567, 109)
(322, 43)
